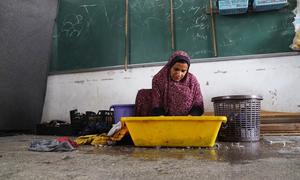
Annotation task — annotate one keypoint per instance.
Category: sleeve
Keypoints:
(156, 95)
(157, 99)
(196, 111)
(198, 105)
(158, 112)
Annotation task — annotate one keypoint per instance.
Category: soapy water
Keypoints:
(232, 152)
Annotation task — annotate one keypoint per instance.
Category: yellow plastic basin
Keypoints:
(174, 131)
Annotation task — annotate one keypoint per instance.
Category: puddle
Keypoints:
(235, 153)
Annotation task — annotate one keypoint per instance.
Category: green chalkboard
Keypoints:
(255, 33)
(246, 34)
(149, 27)
(193, 28)
(91, 33)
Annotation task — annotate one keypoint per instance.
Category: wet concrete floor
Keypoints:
(232, 152)
(273, 157)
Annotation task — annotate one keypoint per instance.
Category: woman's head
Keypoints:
(179, 65)
(179, 70)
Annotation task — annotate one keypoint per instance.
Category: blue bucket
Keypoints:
(122, 110)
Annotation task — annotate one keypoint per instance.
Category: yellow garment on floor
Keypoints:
(120, 134)
(102, 139)
(87, 139)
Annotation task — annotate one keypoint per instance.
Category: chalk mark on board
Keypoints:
(105, 11)
(193, 8)
(274, 29)
(201, 36)
(178, 5)
(201, 52)
(85, 6)
(72, 25)
(160, 4)
(227, 41)
(199, 23)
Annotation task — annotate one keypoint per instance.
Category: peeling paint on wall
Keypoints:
(91, 80)
(273, 96)
(219, 71)
(79, 82)
(111, 73)
(107, 79)
(262, 69)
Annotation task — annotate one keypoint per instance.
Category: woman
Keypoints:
(175, 91)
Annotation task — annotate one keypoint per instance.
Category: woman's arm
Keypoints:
(198, 106)
(157, 99)
(196, 111)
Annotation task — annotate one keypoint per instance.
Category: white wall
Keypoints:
(276, 79)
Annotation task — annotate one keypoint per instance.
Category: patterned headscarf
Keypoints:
(176, 98)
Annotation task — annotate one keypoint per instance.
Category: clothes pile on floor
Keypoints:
(49, 145)
(116, 133)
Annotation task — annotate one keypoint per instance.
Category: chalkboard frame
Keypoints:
(193, 61)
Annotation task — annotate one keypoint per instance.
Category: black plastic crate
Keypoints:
(91, 122)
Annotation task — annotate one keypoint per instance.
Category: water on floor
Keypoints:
(233, 152)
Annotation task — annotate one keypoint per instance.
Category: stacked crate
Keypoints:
(267, 5)
(228, 7)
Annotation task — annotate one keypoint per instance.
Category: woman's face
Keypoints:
(178, 71)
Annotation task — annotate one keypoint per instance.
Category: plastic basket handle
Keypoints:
(231, 117)
(111, 107)
(99, 112)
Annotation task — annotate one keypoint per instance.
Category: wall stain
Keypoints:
(207, 83)
(79, 82)
(263, 69)
(107, 79)
(298, 106)
(219, 71)
(111, 73)
(127, 77)
(273, 96)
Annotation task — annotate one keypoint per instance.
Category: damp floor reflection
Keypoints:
(233, 152)
(270, 158)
